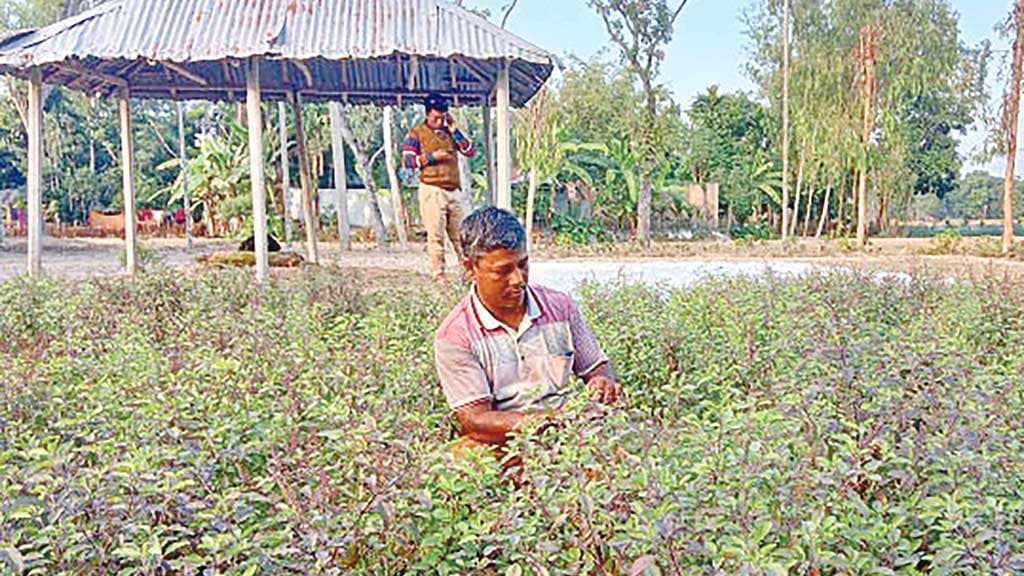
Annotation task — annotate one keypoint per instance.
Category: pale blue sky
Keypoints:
(709, 46)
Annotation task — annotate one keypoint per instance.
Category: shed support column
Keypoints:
(489, 153)
(186, 199)
(504, 147)
(128, 182)
(254, 114)
(35, 172)
(340, 176)
(286, 177)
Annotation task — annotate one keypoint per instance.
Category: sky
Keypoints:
(710, 47)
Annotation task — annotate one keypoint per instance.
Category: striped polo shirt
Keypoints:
(521, 369)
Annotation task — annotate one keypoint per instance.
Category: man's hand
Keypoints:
(604, 389)
(449, 122)
(442, 156)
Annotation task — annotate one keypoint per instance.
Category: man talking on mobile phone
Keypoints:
(433, 148)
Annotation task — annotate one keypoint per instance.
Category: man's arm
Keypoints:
(411, 158)
(603, 384)
(464, 145)
(481, 422)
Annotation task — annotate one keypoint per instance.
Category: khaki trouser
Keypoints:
(442, 212)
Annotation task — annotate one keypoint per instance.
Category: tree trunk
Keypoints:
(785, 118)
(396, 187)
(1012, 112)
(340, 177)
(794, 217)
(643, 209)
(644, 195)
(366, 173)
(841, 210)
(808, 210)
(310, 215)
(531, 195)
(867, 49)
(883, 212)
(824, 210)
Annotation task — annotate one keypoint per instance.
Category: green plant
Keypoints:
(832, 424)
(146, 259)
(751, 232)
(569, 230)
(948, 241)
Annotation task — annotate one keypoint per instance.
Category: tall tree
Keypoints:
(867, 62)
(641, 30)
(785, 118)
(863, 73)
(1010, 124)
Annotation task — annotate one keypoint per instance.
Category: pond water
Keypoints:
(567, 275)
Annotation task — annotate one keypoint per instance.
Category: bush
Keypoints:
(753, 232)
(947, 242)
(836, 424)
(570, 231)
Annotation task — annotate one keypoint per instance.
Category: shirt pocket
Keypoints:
(550, 372)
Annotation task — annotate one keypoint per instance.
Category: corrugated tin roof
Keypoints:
(376, 50)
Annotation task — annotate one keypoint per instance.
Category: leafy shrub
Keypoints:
(947, 242)
(569, 230)
(753, 232)
(835, 424)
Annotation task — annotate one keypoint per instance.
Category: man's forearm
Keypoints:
(491, 426)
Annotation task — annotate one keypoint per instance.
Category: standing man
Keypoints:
(433, 148)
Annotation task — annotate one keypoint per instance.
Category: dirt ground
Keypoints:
(85, 258)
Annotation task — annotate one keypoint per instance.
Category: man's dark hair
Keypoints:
(437, 102)
(489, 229)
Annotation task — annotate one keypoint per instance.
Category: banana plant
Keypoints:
(218, 173)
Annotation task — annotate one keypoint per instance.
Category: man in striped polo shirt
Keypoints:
(433, 148)
(509, 348)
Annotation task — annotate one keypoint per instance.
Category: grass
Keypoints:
(835, 424)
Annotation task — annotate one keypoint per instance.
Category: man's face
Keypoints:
(501, 277)
(436, 119)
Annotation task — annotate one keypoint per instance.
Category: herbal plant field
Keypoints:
(832, 424)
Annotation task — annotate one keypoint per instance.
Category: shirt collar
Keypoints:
(488, 320)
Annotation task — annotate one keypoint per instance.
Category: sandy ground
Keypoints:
(84, 258)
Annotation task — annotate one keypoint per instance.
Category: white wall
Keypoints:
(358, 206)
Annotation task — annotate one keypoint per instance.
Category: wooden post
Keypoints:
(35, 173)
(306, 178)
(340, 176)
(465, 173)
(503, 190)
(396, 190)
(286, 177)
(254, 114)
(489, 153)
(183, 166)
(128, 182)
